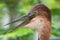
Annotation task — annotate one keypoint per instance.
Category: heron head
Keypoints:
(42, 10)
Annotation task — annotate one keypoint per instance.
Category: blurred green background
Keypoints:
(13, 9)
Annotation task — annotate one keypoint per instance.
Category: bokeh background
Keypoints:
(13, 9)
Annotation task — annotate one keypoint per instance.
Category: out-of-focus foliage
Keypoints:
(4, 17)
(19, 34)
(25, 5)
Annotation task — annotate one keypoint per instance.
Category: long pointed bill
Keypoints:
(21, 18)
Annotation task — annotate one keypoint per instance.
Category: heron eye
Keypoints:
(35, 12)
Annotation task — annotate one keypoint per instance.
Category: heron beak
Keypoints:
(21, 18)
